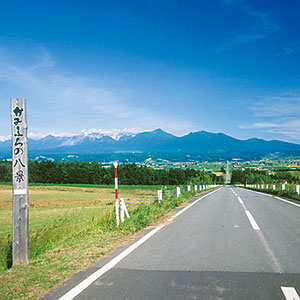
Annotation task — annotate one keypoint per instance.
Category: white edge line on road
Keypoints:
(196, 201)
(272, 196)
(89, 280)
(251, 220)
(290, 293)
(287, 201)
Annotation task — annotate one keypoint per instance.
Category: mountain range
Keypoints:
(154, 142)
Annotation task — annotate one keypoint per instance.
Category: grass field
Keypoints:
(70, 227)
(51, 202)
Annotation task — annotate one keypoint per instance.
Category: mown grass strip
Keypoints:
(70, 245)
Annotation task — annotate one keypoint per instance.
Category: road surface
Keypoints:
(233, 244)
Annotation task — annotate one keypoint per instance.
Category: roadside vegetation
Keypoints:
(71, 241)
(288, 193)
(250, 176)
(255, 177)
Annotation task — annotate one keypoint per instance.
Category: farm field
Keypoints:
(49, 203)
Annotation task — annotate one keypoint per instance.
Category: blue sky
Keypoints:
(227, 66)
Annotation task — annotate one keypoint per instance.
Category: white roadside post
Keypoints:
(116, 193)
(188, 188)
(20, 232)
(196, 187)
(159, 195)
(283, 186)
(274, 187)
(200, 187)
(298, 189)
(178, 191)
(123, 210)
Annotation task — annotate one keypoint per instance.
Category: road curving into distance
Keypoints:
(230, 244)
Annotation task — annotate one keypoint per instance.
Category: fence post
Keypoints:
(20, 211)
(159, 195)
(178, 191)
(116, 193)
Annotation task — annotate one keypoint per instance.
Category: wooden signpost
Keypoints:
(20, 243)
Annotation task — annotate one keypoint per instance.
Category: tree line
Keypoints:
(262, 177)
(81, 172)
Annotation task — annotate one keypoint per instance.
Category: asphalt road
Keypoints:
(233, 244)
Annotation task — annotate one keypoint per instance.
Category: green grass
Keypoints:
(97, 186)
(72, 241)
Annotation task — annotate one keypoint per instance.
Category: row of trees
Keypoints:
(81, 172)
(262, 177)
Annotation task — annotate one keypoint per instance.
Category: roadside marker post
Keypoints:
(159, 195)
(298, 189)
(283, 186)
(116, 193)
(178, 191)
(20, 230)
(124, 210)
(274, 187)
(188, 188)
(196, 188)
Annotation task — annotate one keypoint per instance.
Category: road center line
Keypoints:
(89, 280)
(248, 214)
(276, 264)
(251, 220)
(290, 293)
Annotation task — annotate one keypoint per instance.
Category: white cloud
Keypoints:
(281, 115)
(5, 138)
(258, 125)
(261, 27)
(60, 101)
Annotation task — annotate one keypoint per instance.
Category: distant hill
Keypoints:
(154, 142)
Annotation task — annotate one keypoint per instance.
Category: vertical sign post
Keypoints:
(116, 192)
(20, 245)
